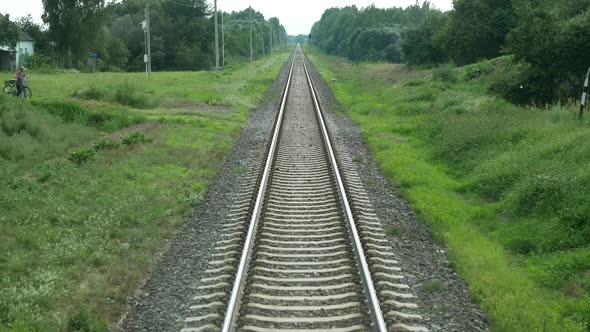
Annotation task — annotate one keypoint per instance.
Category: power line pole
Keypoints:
(584, 95)
(250, 11)
(222, 43)
(216, 39)
(148, 37)
(262, 39)
(271, 50)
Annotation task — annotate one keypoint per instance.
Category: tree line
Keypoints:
(182, 34)
(545, 41)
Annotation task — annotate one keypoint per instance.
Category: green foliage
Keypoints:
(85, 321)
(89, 239)
(420, 45)
(129, 94)
(299, 39)
(476, 29)
(446, 74)
(181, 34)
(134, 138)
(497, 183)
(510, 80)
(106, 144)
(553, 43)
(433, 286)
(8, 32)
(28, 135)
(73, 112)
(92, 92)
(82, 156)
(43, 46)
(371, 34)
(394, 231)
(74, 26)
(124, 93)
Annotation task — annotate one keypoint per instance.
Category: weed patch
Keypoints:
(134, 138)
(82, 156)
(499, 184)
(445, 73)
(106, 144)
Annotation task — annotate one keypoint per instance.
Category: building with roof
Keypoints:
(11, 58)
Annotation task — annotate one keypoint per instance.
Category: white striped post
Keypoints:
(584, 95)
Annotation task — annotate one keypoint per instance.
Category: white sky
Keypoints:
(296, 15)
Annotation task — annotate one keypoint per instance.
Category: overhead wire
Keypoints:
(181, 4)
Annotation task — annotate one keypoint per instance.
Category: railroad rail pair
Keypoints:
(304, 248)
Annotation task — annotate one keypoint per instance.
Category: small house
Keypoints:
(11, 58)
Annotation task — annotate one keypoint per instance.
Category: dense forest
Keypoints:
(182, 34)
(298, 39)
(545, 42)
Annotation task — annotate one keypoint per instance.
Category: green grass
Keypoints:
(164, 89)
(78, 234)
(505, 188)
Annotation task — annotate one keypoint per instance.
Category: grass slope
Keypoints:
(505, 188)
(77, 238)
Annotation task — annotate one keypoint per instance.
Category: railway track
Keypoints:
(302, 249)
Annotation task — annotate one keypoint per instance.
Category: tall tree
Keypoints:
(74, 24)
(8, 31)
(367, 34)
(477, 29)
(421, 44)
(554, 42)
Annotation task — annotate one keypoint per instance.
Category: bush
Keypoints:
(106, 144)
(82, 156)
(73, 112)
(137, 137)
(445, 74)
(84, 321)
(128, 94)
(515, 81)
(92, 92)
(68, 112)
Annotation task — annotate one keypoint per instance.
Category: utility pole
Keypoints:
(584, 95)
(262, 39)
(216, 39)
(271, 50)
(148, 37)
(222, 43)
(250, 11)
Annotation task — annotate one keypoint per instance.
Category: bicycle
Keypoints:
(10, 89)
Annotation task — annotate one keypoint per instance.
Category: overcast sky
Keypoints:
(296, 15)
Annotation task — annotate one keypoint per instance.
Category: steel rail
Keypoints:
(378, 322)
(235, 297)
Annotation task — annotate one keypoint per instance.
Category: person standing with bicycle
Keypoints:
(21, 76)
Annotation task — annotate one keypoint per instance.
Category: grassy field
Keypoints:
(98, 171)
(505, 188)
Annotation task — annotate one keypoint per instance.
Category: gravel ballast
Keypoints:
(162, 303)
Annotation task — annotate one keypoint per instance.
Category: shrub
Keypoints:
(92, 92)
(17, 147)
(69, 112)
(128, 94)
(83, 321)
(98, 119)
(136, 137)
(106, 144)
(445, 74)
(82, 156)
(515, 82)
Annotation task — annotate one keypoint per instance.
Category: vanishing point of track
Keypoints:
(302, 251)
